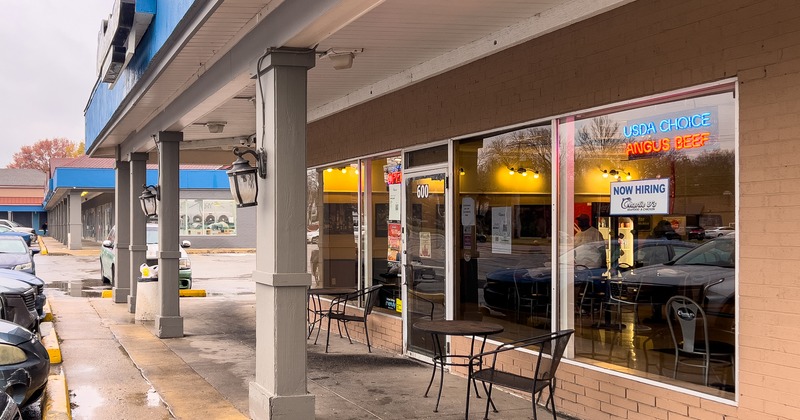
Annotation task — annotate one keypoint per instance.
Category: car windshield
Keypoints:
(14, 224)
(8, 246)
(719, 252)
(4, 228)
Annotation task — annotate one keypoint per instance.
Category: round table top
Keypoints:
(459, 327)
(333, 291)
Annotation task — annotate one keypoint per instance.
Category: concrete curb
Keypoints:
(48, 312)
(55, 402)
(50, 342)
(42, 247)
(181, 293)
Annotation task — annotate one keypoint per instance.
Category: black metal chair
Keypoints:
(338, 311)
(688, 325)
(550, 350)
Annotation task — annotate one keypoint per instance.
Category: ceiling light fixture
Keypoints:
(216, 127)
(342, 58)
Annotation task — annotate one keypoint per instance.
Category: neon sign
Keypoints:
(677, 131)
(689, 141)
(684, 122)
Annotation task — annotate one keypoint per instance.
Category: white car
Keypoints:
(16, 227)
(714, 232)
(108, 257)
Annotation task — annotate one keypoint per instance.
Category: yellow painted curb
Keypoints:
(50, 342)
(42, 247)
(107, 293)
(48, 312)
(192, 293)
(55, 403)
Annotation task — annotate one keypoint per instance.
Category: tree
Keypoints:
(38, 155)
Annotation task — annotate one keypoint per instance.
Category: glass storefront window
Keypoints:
(503, 230)
(641, 187)
(332, 231)
(207, 217)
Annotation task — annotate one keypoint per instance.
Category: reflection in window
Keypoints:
(622, 307)
(333, 225)
(503, 226)
(207, 217)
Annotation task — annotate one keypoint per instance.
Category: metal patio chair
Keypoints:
(338, 311)
(688, 326)
(484, 367)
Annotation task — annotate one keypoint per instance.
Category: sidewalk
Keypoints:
(117, 368)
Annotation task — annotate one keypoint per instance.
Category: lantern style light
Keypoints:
(242, 176)
(149, 200)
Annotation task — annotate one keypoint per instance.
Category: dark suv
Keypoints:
(695, 232)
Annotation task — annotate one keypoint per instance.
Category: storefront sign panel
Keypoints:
(395, 198)
(647, 196)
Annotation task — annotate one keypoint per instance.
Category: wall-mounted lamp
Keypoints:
(522, 171)
(242, 176)
(342, 58)
(149, 199)
(511, 171)
(536, 174)
(616, 173)
(216, 127)
(461, 171)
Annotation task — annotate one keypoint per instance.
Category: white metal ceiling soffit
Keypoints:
(403, 42)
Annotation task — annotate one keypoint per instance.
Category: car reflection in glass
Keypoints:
(515, 289)
(705, 274)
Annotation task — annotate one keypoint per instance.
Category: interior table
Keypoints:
(460, 328)
(315, 311)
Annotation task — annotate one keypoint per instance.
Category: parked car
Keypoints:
(715, 232)
(9, 410)
(33, 281)
(19, 303)
(6, 231)
(24, 364)
(705, 274)
(506, 287)
(108, 256)
(695, 232)
(19, 228)
(15, 254)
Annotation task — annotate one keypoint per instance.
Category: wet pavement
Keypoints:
(116, 368)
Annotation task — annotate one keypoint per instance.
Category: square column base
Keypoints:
(265, 406)
(169, 326)
(132, 304)
(120, 295)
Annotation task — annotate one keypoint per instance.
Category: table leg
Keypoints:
(488, 394)
(442, 361)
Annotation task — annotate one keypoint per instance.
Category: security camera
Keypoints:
(243, 141)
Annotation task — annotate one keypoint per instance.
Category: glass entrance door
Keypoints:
(426, 255)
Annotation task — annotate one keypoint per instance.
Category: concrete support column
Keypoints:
(169, 323)
(75, 234)
(280, 389)
(138, 222)
(122, 209)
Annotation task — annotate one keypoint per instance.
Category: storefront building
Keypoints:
(501, 183)
(584, 174)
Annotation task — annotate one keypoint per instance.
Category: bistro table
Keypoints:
(454, 327)
(315, 311)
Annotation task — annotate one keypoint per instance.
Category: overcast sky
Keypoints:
(48, 67)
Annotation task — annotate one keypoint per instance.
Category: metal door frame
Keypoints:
(443, 168)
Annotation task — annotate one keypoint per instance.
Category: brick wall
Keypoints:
(644, 48)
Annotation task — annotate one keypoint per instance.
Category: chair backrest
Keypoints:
(684, 317)
(370, 298)
(553, 344)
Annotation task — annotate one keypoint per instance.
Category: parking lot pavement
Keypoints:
(117, 368)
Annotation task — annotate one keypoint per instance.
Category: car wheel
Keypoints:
(102, 276)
